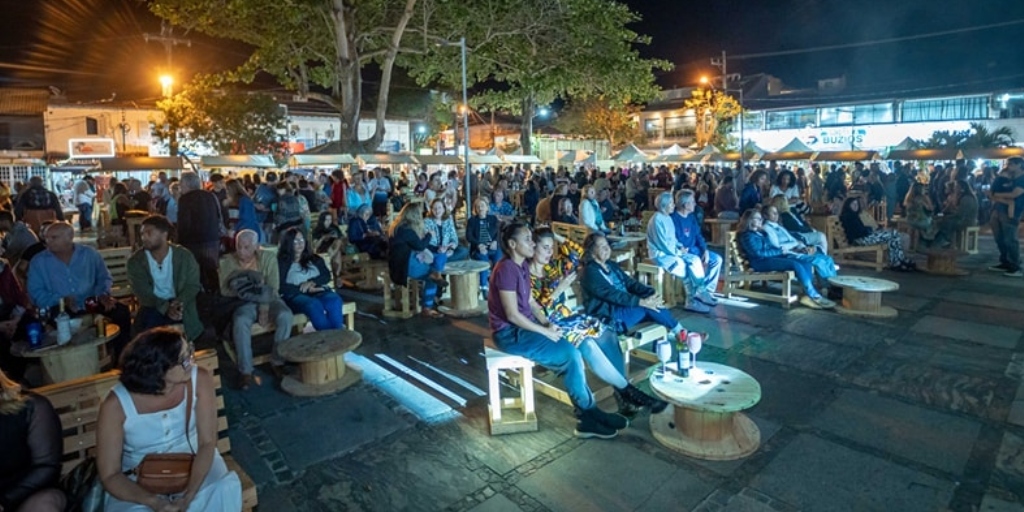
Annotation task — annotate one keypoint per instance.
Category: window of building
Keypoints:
(783, 119)
(652, 127)
(753, 120)
(680, 126)
(874, 113)
(836, 116)
(92, 126)
(949, 109)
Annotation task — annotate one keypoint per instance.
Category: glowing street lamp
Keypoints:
(167, 84)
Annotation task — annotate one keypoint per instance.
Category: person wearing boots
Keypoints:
(519, 327)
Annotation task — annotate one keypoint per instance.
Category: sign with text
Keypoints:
(91, 148)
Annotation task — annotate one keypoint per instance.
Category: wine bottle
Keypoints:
(63, 322)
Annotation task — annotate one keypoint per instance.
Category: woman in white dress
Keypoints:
(145, 413)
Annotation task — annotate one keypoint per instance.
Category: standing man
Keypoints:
(199, 227)
(73, 273)
(663, 248)
(165, 279)
(1008, 199)
(702, 265)
(139, 198)
(85, 194)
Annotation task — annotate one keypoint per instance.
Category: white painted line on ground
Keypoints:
(424, 405)
(454, 378)
(422, 378)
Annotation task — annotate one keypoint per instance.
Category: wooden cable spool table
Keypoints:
(321, 359)
(464, 278)
(942, 262)
(720, 229)
(704, 419)
(862, 296)
(76, 359)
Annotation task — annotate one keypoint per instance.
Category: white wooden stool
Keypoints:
(643, 334)
(523, 417)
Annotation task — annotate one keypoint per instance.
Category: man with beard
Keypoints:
(165, 279)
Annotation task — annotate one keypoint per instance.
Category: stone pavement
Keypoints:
(921, 412)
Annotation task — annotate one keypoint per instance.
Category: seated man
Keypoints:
(17, 236)
(74, 273)
(664, 249)
(779, 237)
(702, 265)
(165, 279)
(252, 276)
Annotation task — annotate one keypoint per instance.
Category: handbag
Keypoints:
(83, 488)
(168, 473)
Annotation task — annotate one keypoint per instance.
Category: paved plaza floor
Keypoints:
(923, 412)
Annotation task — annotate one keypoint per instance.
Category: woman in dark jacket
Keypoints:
(859, 234)
(30, 466)
(751, 196)
(305, 282)
(616, 298)
(482, 236)
(962, 215)
(765, 257)
(409, 256)
(366, 234)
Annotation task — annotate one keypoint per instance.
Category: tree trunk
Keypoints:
(385, 80)
(526, 128)
(349, 88)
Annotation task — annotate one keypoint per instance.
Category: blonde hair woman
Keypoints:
(30, 466)
(797, 226)
(409, 256)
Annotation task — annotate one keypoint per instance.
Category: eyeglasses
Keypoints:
(189, 358)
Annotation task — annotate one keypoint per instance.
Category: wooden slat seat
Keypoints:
(845, 253)
(738, 277)
(77, 402)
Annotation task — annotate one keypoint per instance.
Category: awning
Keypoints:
(631, 154)
(139, 163)
(788, 155)
(925, 154)
(993, 153)
(485, 160)
(261, 161)
(844, 156)
(523, 159)
(438, 159)
(387, 159)
(300, 160)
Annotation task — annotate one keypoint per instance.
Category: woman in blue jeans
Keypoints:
(765, 257)
(482, 235)
(305, 282)
(409, 256)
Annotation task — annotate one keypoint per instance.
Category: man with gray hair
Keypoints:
(702, 265)
(199, 227)
(663, 248)
(253, 277)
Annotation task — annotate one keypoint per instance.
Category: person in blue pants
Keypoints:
(305, 282)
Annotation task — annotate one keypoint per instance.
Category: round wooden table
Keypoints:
(942, 262)
(464, 278)
(79, 358)
(862, 296)
(704, 419)
(321, 359)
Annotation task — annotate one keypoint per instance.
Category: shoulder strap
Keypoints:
(189, 391)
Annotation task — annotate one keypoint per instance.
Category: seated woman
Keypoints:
(409, 256)
(365, 233)
(305, 282)
(751, 196)
(590, 210)
(962, 215)
(565, 213)
(859, 234)
(919, 209)
(501, 208)
(791, 247)
(798, 227)
(519, 327)
(482, 236)
(765, 257)
(444, 240)
(16, 312)
(786, 186)
(163, 403)
(33, 448)
(616, 298)
(726, 203)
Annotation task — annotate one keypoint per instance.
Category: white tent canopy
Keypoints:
(485, 159)
(630, 153)
(523, 159)
(259, 161)
(439, 159)
(387, 159)
(578, 156)
(316, 160)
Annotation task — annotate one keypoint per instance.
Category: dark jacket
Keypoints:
(601, 297)
(404, 242)
(32, 451)
(289, 291)
(750, 198)
(185, 274)
(473, 231)
(199, 220)
(756, 246)
(853, 226)
(793, 223)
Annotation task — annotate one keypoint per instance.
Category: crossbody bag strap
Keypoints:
(188, 413)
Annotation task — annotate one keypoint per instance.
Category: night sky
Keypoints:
(100, 42)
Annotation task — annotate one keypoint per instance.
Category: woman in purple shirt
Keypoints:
(521, 328)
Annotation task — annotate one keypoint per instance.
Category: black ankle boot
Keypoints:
(637, 398)
(626, 408)
(590, 426)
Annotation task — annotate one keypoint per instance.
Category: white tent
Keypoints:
(631, 154)
(578, 156)
(795, 150)
(302, 160)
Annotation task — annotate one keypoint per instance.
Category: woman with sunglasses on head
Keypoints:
(305, 282)
(147, 412)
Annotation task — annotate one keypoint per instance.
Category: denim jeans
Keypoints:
(698, 276)
(242, 320)
(803, 271)
(323, 309)
(608, 343)
(148, 318)
(491, 257)
(85, 215)
(1004, 230)
(561, 357)
(628, 317)
(419, 271)
(825, 266)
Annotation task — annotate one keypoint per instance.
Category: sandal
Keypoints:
(431, 313)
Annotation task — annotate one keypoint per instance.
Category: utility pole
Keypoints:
(167, 38)
(723, 64)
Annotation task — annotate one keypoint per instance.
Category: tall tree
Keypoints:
(715, 111)
(978, 136)
(614, 121)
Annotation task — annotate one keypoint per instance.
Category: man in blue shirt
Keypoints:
(702, 265)
(1009, 205)
(73, 273)
(664, 249)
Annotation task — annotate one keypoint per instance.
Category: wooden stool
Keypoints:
(401, 301)
(523, 417)
(669, 286)
(321, 358)
(862, 296)
(967, 240)
(643, 334)
(942, 262)
(464, 278)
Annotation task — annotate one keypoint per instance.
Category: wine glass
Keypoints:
(695, 342)
(664, 350)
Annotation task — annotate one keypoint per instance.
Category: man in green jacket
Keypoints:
(165, 279)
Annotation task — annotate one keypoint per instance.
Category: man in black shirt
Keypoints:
(199, 227)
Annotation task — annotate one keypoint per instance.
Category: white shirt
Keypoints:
(163, 275)
(298, 275)
(780, 237)
(86, 195)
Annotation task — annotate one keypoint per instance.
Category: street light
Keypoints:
(167, 84)
(465, 118)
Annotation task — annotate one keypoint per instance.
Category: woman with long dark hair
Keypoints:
(305, 282)
(859, 234)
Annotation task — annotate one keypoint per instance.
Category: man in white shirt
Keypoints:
(165, 279)
(85, 193)
(663, 247)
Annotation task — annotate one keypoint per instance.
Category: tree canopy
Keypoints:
(715, 111)
(978, 136)
(612, 120)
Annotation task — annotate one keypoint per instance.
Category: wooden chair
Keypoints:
(667, 285)
(116, 260)
(738, 277)
(509, 415)
(845, 253)
(77, 402)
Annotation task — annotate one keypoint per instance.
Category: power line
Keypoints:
(878, 41)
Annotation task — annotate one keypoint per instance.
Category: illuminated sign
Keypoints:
(91, 148)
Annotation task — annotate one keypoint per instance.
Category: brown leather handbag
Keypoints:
(168, 473)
